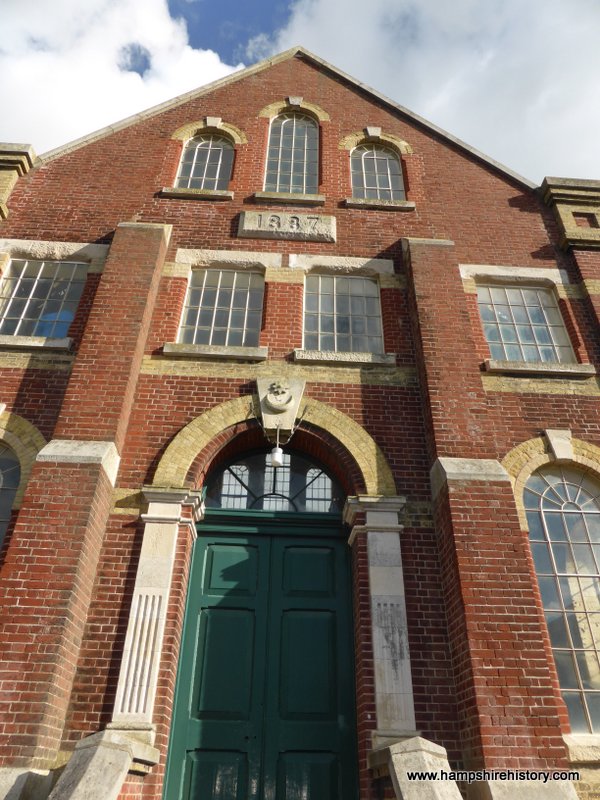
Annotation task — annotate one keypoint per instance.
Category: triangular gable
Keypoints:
(293, 52)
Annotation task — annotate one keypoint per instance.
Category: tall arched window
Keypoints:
(206, 163)
(563, 513)
(10, 475)
(376, 173)
(293, 155)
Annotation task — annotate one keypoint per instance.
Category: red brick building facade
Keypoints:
(422, 325)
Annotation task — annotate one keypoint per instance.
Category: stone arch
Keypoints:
(524, 459)
(25, 440)
(208, 125)
(352, 140)
(274, 109)
(174, 466)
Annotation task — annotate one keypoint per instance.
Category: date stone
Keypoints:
(283, 225)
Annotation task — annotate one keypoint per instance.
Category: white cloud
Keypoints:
(65, 79)
(518, 80)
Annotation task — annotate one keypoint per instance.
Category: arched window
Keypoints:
(253, 483)
(563, 513)
(376, 173)
(206, 163)
(10, 475)
(293, 155)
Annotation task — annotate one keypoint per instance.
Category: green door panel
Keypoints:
(264, 706)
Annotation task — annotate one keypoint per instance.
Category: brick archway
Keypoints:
(204, 436)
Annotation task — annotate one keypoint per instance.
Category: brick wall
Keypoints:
(434, 403)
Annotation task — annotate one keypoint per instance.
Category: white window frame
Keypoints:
(529, 326)
(321, 314)
(282, 181)
(200, 162)
(197, 283)
(378, 153)
(10, 487)
(23, 306)
(565, 541)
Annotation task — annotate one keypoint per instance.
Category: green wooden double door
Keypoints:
(265, 700)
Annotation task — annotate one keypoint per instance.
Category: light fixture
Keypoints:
(277, 457)
(277, 453)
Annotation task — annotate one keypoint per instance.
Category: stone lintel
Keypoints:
(342, 264)
(234, 259)
(67, 451)
(446, 470)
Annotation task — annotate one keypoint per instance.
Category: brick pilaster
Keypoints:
(508, 702)
(48, 575)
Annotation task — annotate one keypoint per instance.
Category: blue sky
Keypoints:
(228, 25)
(516, 79)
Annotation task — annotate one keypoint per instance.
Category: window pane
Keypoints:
(349, 316)
(376, 173)
(206, 163)
(40, 298)
(530, 325)
(10, 475)
(566, 501)
(224, 308)
(292, 163)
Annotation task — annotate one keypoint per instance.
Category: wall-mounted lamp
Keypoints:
(277, 453)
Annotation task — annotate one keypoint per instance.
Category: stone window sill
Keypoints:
(195, 194)
(290, 197)
(222, 352)
(34, 343)
(379, 205)
(329, 356)
(540, 368)
(583, 748)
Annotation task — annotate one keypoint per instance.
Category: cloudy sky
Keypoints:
(517, 79)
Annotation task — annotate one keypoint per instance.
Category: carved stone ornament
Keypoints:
(279, 404)
(278, 397)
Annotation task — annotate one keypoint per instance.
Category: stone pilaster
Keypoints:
(393, 682)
